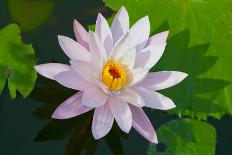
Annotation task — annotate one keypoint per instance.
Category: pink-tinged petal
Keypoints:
(135, 76)
(94, 97)
(128, 59)
(104, 32)
(121, 113)
(139, 33)
(162, 80)
(149, 56)
(102, 121)
(73, 80)
(81, 34)
(85, 69)
(50, 70)
(73, 49)
(70, 108)
(142, 124)
(159, 38)
(155, 100)
(132, 97)
(120, 24)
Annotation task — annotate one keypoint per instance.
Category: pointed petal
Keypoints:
(96, 46)
(162, 80)
(94, 97)
(135, 76)
(81, 34)
(120, 24)
(132, 97)
(149, 56)
(129, 58)
(50, 70)
(155, 100)
(73, 49)
(73, 80)
(121, 113)
(121, 47)
(104, 32)
(159, 38)
(102, 121)
(70, 108)
(86, 70)
(142, 124)
(139, 33)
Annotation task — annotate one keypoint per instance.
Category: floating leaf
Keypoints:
(187, 137)
(199, 44)
(17, 62)
(30, 13)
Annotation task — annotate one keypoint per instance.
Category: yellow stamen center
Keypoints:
(113, 76)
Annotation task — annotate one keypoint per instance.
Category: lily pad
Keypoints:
(198, 44)
(185, 137)
(30, 13)
(17, 62)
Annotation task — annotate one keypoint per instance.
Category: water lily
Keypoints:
(110, 68)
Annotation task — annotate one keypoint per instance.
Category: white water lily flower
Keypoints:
(110, 68)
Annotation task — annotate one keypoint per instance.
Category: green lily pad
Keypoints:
(30, 13)
(17, 62)
(185, 137)
(198, 44)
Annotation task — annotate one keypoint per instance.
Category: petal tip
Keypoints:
(75, 23)
(99, 15)
(55, 116)
(60, 37)
(154, 140)
(185, 75)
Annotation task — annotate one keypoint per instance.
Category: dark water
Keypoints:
(21, 120)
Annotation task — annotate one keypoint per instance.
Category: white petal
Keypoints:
(162, 80)
(102, 121)
(142, 124)
(86, 70)
(94, 97)
(96, 46)
(121, 47)
(73, 80)
(104, 32)
(120, 24)
(128, 59)
(50, 70)
(81, 34)
(149, 56)
(139, 33)
(70, 108)
(121, 113)
(159, 38)
(132, 97)
(155, 100)
(135, 76)
(73, 49)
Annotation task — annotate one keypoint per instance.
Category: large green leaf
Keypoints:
(199, 44)
(30, 13)
(185, 137)
(17, 62)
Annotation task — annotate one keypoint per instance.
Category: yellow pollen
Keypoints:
(113, 76)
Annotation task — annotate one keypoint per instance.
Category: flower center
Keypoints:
(113, 76)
